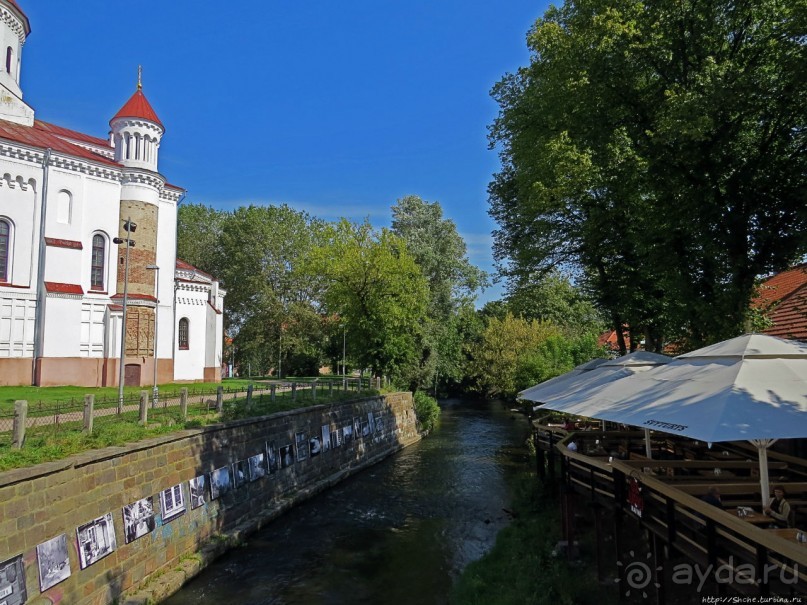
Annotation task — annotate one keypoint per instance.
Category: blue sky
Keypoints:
(336, 108)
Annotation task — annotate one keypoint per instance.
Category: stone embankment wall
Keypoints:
(127, 515)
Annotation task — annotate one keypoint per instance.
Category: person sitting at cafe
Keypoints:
(713, 497)
(779, 508)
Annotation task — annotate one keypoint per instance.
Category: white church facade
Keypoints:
(66, 200)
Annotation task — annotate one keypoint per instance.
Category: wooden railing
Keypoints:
(671, 509)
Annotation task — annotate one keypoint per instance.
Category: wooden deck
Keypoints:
(610, 471)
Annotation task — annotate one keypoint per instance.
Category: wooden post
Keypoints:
(219, 399)
(272, 389)
(89, 407)
(294, 391)
(20, 416)
(183, 402)
(330, 389)
(144, 408)
(249, 398)
(314, 390)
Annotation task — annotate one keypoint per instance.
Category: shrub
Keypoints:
(426, 410)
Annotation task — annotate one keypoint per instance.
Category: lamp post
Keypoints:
(344, 339)
(130, 228)
(155, 390)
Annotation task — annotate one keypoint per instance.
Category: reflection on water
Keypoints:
(398, 533)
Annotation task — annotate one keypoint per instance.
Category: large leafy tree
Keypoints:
(377, 290)
(260, 255)
(660, 148)
(452, 281)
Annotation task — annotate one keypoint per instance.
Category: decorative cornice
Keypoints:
(7, 181)
(142, 177)
(136, 123)
(170, 195)
(192, 286)
(32, 155)
(7, 17)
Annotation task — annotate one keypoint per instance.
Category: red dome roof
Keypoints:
(138, 107)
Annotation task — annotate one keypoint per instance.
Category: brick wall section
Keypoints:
(144, 252)
(42, 502)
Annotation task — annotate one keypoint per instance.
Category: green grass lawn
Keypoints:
(57, 441)
(49, 396)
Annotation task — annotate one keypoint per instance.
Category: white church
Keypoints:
(75, 212)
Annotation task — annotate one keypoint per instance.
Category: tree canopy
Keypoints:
(657, 148)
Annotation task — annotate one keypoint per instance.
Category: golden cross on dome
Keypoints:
(139, 77)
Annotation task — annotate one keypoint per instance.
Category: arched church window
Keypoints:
(9, 58)
(183, 333)
(5, 242)
(98, 262)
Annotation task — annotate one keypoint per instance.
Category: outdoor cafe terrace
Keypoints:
(611, 471)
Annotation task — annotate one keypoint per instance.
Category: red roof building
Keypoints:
(783, 298)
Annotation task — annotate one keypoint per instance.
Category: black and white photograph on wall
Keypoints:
(365, 429)
(371, 420)
(240, 473)
(286, 456)
(257, 467)
(172, 501)
(334, 439)
(12, 582)
(96, 540)
(53, 562)
(271, 457)
(138, 519)
(315, 445)
(196, 487)
(301, 445)
(220, 482)
(347, 433)
(379, 425)
(357, 427)
(326, 437)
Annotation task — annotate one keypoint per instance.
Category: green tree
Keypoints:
(503, 343)
(661, 148)
(452, 280)
(379, 293)
(260, 255)
(198, 232)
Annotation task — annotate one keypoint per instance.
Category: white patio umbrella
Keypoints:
(752, 387)
(590, 377)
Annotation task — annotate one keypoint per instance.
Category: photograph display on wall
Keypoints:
(347, 433)
(315, 445)
(371, 421)
(138, 519)
(365, 429)
(326, 437)
(271, 457)
(301, 445)
(286, 456)
(172, 501)
(240, 473)
(334, 439)
(379, 425)
(357, 427)
(257, 467)
(12, 581)
(53, 562)
(196, 487)
(96, 540)
(220, 482)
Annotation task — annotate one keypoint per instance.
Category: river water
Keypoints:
(399, 532)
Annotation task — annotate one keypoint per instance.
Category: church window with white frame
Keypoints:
(184, 328)
(5, 246)
(98, 266)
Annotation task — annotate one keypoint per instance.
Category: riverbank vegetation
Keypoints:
(524, 567)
